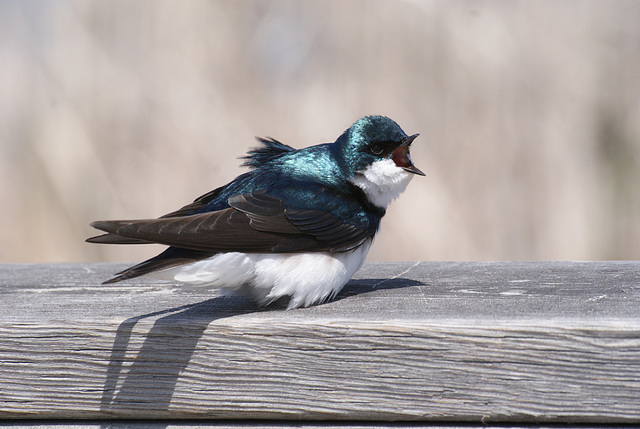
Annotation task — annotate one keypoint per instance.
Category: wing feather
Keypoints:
(254, 223)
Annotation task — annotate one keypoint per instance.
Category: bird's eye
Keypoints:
(376, 149)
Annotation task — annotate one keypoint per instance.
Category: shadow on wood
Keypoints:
(150, 380)
(147, 381)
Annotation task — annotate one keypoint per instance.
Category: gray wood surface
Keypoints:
(271, 424)
(439, 341)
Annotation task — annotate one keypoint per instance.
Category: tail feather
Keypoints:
(116, 239)
(171, 257)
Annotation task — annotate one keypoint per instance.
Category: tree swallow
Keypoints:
(298, 225)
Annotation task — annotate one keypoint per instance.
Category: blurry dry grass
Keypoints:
(529, 114)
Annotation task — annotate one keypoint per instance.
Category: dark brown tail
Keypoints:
(171, 257)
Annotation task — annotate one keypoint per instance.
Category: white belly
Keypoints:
(308, 278)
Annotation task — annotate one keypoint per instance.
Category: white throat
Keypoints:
(382, 182)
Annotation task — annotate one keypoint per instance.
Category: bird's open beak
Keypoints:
(402, 158)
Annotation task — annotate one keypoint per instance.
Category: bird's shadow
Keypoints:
(142, 384)
(365, 286)
(145, 381)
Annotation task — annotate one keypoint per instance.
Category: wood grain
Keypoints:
(438, 341)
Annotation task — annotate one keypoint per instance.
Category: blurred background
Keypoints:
(529, 115)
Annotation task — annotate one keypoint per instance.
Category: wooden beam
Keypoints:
(437, 341)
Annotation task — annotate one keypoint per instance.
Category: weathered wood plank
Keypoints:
(501, 342)
(270, 424)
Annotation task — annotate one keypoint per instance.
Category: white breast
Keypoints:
(308, 278)
(382, 182)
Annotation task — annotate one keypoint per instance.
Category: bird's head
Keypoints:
(377, 138)
(374, 153)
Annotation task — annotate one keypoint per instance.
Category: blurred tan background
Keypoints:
(529, 114)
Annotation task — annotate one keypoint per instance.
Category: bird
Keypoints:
(293, 229)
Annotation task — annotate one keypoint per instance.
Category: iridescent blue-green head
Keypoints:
(374, 155)
(375, 138)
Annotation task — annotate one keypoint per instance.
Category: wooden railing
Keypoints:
(470, 343)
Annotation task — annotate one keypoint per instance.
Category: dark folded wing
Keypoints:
(327, 229)
(255, 223)
(197, 204)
